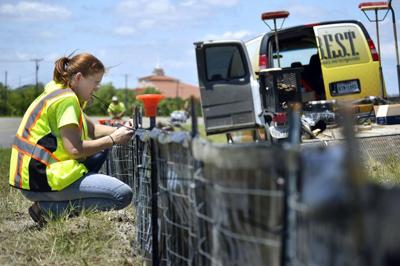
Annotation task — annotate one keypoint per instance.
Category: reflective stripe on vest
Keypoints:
(35, 114)
(24, 146)
(36, 151)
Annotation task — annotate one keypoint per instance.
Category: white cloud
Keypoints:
(25, 56)
(225, 3)
(124, 30)
(166, 13)
(176, 64)
(46, 34)
(229, 35)
(147, 23)
(189, 3)
(33, 11)
(144, 8)
(210, 3)
(305, 11)
(159, 7)
(52, 57)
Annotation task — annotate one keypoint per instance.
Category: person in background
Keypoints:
(116, 109)
(58, 150)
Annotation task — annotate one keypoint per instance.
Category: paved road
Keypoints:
(9, 125)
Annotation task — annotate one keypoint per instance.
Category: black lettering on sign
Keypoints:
(351, 36)
(327, 40)
(321, 49)
(343, 52)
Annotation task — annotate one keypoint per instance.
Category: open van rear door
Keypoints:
(230, 96)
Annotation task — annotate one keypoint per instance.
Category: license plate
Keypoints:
(345, 87)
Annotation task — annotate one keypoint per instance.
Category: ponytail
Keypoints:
(65, 67)
(60, 74)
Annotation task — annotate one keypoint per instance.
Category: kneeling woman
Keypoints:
(55, 154)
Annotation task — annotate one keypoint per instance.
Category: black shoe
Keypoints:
(37, 214)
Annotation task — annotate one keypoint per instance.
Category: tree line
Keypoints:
(15, 102)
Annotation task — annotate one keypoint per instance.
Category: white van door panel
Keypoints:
(229, 92)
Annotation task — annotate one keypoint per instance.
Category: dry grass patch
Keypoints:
(384, 173)
(91, 239)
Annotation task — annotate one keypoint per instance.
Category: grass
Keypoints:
(387, 173)
(217, 138)
(91, 239)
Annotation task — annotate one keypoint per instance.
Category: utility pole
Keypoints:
(126, 91)
(37, 60)
(5, 93)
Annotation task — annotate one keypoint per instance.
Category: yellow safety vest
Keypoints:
(116, 108)
(38, 159)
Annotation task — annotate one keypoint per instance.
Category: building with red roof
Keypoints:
(168, 86)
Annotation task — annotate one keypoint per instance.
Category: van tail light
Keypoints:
(263, 61)
(279, 118)
(374, 53)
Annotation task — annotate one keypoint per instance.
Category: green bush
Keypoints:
(15, 102)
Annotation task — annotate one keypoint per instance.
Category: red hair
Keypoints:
(65, 67)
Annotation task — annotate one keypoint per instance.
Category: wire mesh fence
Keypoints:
(223, 204)
(324, 229)
(120, 162)
(143, 196)
(339, 222)
(238, 201)
(175, 175)
(382, 149)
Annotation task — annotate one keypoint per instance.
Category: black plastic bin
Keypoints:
(279, 87)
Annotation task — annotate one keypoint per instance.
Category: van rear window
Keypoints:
(341, 44)
(224, 63)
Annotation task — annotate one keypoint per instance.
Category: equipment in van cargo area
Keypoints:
(388, 114)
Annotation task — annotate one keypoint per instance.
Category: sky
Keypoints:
(132, 37)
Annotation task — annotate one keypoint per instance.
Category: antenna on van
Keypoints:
(274, 16)
(376, 6)
(384, 6)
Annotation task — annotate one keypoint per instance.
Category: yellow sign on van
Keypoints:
(342, 44)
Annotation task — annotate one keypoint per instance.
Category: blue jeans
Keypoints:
(92, 191)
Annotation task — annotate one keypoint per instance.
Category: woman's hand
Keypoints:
(123, 134)
(129, 123)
